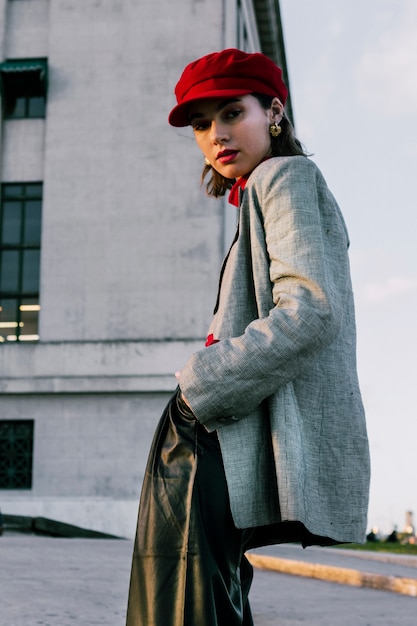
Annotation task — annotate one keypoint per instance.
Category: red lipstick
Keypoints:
(226, 156)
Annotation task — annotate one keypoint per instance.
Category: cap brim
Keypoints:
(179, 114)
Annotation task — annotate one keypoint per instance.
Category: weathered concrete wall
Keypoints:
(90, 454)
(131, 246)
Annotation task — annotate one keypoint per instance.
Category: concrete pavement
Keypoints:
(61, 582)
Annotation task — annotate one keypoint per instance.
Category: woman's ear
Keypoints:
(276, 110)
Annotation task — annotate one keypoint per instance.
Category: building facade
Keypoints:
(109, 249)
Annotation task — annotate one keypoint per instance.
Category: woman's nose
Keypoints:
(219, 133)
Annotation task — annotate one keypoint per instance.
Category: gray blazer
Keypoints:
(281, 386)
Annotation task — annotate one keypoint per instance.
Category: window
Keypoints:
(16, 454)
(242, 30)
(20, 243)
(24, 84)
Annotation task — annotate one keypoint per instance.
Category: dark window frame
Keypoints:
(23, 83)
(20, 248)
(16, 454)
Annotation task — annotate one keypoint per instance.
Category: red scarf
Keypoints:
(241, 184)
(210, 340)
(234, 191)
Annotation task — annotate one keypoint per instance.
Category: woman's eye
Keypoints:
(200, 125)
(227, 116)
(234, 113)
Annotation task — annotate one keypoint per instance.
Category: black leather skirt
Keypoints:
(188, 567)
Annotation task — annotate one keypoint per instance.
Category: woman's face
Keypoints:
(233, 133)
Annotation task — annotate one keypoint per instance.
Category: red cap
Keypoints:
(227, 73)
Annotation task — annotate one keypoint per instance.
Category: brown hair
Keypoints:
(286, 144)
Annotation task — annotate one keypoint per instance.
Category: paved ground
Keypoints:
(63, 582)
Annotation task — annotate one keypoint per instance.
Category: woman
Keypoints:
(265, 439)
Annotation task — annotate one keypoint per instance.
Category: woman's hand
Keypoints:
(177, 376)
(182, 404)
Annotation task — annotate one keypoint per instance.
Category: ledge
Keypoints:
(93, 367)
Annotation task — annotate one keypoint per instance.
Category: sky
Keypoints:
(353, 80)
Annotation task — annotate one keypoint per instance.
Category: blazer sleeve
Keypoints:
(306, 244)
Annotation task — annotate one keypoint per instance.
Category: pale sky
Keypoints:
(353, 79)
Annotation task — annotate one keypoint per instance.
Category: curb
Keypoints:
(49, 527)
(341, 575)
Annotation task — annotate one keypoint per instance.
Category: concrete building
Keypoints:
(109, 249)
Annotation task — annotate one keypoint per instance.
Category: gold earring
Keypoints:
(275, 129)
(206, 161)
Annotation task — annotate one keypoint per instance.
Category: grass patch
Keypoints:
(381, 546)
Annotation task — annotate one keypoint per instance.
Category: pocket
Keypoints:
(183, 408)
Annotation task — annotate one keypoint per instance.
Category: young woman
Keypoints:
(265, 439)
